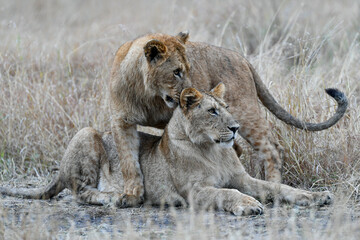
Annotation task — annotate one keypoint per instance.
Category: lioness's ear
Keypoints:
(183, 36)
(154, 50)
(219, 90)
(189, 98)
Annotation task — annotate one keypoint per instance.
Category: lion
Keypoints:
(192, 162)
(148, 75)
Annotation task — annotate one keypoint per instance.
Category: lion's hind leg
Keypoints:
(255, 131)
(91, 192)
(89, 173)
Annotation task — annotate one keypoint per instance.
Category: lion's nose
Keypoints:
(234, 128)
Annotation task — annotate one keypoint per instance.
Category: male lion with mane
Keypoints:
(148, 75)
(192, 162)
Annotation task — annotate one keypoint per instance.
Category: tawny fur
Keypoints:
(193, 162)
(143, 75)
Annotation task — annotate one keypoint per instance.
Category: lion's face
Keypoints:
(208, 120)
(168, 68)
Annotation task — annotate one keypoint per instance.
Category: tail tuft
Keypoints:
(337, 95)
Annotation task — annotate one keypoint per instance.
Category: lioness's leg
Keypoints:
(230, 200)
(269, 190)
(127, 144)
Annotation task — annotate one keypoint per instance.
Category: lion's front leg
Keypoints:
(268, 190)
(127, 144)
(230, 200)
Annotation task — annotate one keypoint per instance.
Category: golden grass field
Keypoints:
(55, 59)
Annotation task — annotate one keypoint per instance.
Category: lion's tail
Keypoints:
(47, 192)
(270, 103)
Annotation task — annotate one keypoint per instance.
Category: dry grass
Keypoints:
(55, 58)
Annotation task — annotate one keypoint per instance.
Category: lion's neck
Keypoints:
(176, 128)
(178, 149)
(133, 83)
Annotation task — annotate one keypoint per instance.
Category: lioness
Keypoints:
(148, 75)
(192, 162)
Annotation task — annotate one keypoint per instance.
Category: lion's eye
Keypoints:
(213, 111)
(227, 107)
(178, 73)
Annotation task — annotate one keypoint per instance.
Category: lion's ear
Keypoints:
(154, 50)
(219, 90)
(189, 98)
(183, 36)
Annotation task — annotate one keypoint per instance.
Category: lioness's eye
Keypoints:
(213, 111)
(177, 73)
(227, 107)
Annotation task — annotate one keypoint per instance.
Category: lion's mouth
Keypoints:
(169, 99)
(170, 102)
(225, 141)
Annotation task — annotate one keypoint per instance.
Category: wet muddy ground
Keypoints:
(64, 218)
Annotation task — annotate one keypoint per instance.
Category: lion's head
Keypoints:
(167, 66)
(206, 118)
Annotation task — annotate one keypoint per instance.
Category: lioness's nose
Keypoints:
(234, 128)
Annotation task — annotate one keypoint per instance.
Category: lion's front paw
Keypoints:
(323, 198)
(313, 198)
(124, 201)
(303, 199)
(134, 187)
(251, 208)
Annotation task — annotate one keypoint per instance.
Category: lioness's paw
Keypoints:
(323, 198)
(303, 199)
(314, 198)
(124, 201)
(134, 187)
(256, 208)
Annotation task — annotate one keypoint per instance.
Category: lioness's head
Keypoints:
(167, 66)
(207, 119)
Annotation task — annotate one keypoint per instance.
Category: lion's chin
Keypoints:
(226, 144)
